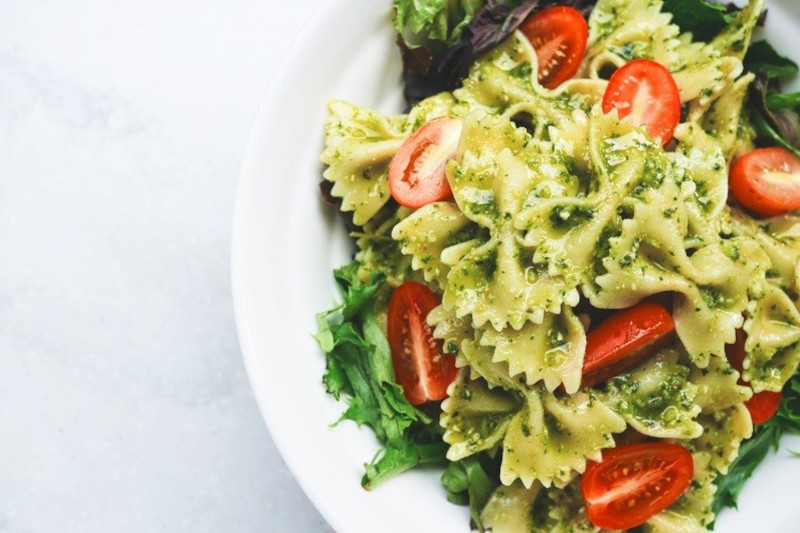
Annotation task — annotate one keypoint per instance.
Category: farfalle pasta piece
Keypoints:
(723, 432)
(656, 398)
(359, 146)
(516, 509)
(655, 247)
(509, 509)
(433, 232)
(551, 352)
(773, 340)
(379, 252)
(451, 330)
(476, 417)
(504, 82)
(498, 164)
(550, 439)
(483, 365)
(543, 438)
(780, 239)
(621, 30)
(717, 386)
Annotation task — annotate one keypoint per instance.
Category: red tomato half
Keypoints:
(767, 181)
(420, 366)
(634, 482)
(762, 405)
(624, 340)
(645, 91)
(417, 171)
(559, 35)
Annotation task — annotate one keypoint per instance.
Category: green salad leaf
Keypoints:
(704, 19)
(780, 101)
(774, 115)
(774, 127)
(765, 441)
(468, 483)
(435, 24)
(359, 369)
(762, 57)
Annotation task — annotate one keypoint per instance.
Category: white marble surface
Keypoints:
(124, 405)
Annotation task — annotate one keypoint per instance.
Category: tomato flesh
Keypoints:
(421, 367)
(762, 405)
(635, 482)
(646, 92)
(767, 181)
(624, 340)
(417, 174)
(559, 35)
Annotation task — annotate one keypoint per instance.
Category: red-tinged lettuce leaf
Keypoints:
(497, 20)
(776, 127)
(427, 72)
(424, 75)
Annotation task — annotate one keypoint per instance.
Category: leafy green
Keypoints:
(779, 101)
(773, 114)
(704, 19)
(762, 57)
(359, 368)
(425, 447)
(765, 440)
(773, 127)
(467, 483)
(435, 24)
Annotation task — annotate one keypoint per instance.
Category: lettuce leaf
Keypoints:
(704, 19)
(774, 115)
(774, 127)
(779, 101)
(468, 483)
(765, 441)
(359, 370)
(762, 57)
(434, 24)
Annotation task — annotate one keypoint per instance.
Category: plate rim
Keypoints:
(268, 106)
(261, 126)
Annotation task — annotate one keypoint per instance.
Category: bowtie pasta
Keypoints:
(557, 205)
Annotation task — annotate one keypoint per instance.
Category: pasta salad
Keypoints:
(576, 274)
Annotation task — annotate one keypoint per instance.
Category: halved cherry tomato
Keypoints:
(417, 171)
(645, 91)
(559, 35)
(762, 405)
(767, 181)
(624, 340)
(420, 366)
(635, 482)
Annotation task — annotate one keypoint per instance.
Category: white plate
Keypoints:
(285, 244)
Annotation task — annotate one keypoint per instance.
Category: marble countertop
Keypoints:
(124, 404)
